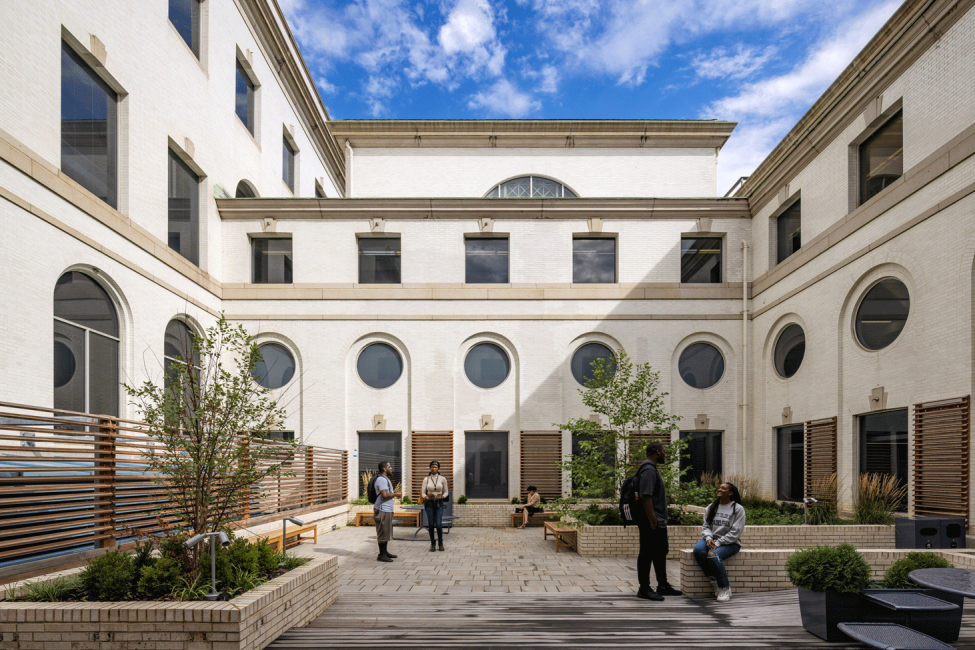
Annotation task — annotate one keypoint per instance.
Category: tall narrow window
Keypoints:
(486, 260)
(184, 209)
(245, 98)
(185, 17)
(86, 347)
(89, 128)
(788, 232)
(487, 465)
(288, 165)
(177, 350)
(883, 446)
(375, 448)
(379, 260)
(703, 454)
(272, 260)
(700, 259)
(882, 158)
(593, 260)
(790, 466)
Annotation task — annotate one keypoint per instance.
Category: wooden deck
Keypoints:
(555, 620)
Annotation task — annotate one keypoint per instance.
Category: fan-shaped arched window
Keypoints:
(245, 190)
(86, 347)
(530, 187)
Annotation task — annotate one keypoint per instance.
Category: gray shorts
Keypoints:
(384, 525)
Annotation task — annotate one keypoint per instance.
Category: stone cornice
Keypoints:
(422, 208)
(598, 134)
(914, 27)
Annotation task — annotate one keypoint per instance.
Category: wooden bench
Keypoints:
(517, 517)
(294, 536)
(367, 517)
(564, 535)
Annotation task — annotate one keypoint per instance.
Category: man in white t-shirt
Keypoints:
(382, 510)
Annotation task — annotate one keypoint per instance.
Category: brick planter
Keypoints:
(249, 622)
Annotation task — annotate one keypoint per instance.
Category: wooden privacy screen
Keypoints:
(640, 439)
(820, 450)
(541, 452)
(941, 457)
(427, 446)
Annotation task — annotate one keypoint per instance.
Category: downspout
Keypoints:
(348, 169)
(744, 355)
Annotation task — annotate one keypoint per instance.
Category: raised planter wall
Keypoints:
(489, 515)
(617, 541)
(249, 622)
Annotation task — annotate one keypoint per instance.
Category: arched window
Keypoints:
(534, 187)
(178, 347)
(86, 347)
(245, 191)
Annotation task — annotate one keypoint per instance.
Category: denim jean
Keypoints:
(434, 510)
(713, 567)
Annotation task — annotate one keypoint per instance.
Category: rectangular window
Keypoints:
(704, 454)
(89, 128)
(184, 209)
(700, 259)
(788, 232)
(379, 260)
(883, 445)
(272, 260)
(593, 260)
(487, 465)
(288, 166)
(245, 98)
(791, 462)
(882, 158)
(486, 260)
(375, 448)
(185, 17)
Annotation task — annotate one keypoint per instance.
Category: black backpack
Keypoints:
(371, 492)
(628, 500)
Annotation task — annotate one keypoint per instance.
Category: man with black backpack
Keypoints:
(650, 515)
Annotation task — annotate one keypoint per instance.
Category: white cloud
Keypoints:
(739, 63)
(326, 87)
(469, 26)
(503, 100)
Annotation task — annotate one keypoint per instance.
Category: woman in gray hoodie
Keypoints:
(724, 522)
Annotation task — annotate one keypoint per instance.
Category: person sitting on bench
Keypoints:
(532, 506)
(724, 522)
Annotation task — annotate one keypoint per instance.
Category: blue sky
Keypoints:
(761, 63)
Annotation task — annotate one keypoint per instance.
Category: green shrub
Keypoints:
(695, 494)
(242, 554)
(840, 568)
(267, 557)
(242, 580)
(109, 577)
(596, 516)
(406, 500)
(896, 576)
(515, 501)
(174, 546)
(161, 578)
(48, 592)
(361, 501)
(187, 589)
(461, 500)
(294, 561)
(677, 517)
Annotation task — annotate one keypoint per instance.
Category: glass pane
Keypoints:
(584, 357)
(81, 300)
(379, 260)
(375, 448)
(244, 191)
(245, 98)
(545, 188)
(493, 194)
(487, 365)
(883, 445)
(185, 16)
(700, 259)
(89, 128)
(69, 367)
(103, 362)
(791, 466)
(567, 193)
(179, 342)
(273, 261)
(184, 210)
(593, 260)
(583, 488)
(379, 365)
(486, 260)
(789, 351)
(288, 166)
(517, 188)
(487, 465)
(701, 365)
(704, 451)
(882, 314)
(788, 231)
(882, 158)
(276, 368)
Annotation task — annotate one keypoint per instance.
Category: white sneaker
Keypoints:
(714, 585)
(724, 595)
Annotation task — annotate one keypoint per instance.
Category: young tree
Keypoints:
(629, 398)
(210, 419)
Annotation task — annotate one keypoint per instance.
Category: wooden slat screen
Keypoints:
(820, 450)
(541, 452)
(427, 446)
(640, 439)
(942, 435)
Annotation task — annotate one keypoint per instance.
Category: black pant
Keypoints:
(654, 547)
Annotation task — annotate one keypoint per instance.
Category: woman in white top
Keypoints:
(724, 522)
(434, 494)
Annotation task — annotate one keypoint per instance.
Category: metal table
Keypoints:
(422, 527)
(952, 581)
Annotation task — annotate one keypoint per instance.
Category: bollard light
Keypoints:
(806, 502)
(214, 537)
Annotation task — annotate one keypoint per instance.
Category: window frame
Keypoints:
(196, 28)
(795, 201)
(861, 446)
(614, 237)
(177, 156)
(896, 111)
(244, 69)
(290, 352)
(364, 236)
(254, 238)
(721, 255)
(399, 355)
(779, 431)
(713, 438)
(289, 162)
(473, 236)
(531, 188)
(505, 465)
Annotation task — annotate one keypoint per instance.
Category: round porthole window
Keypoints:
(882, 314)
(487, 365)
(584, 357)
(789, 350)
(276, 368)
(701, 365)
(379, 365)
